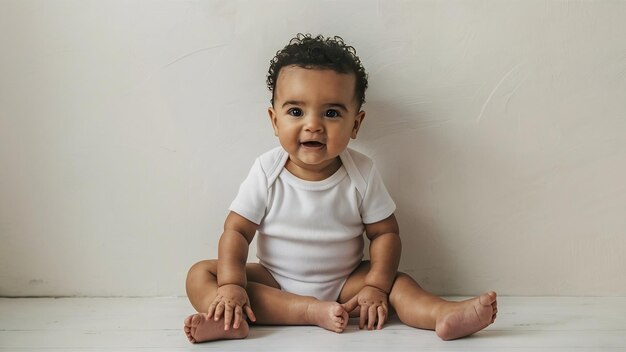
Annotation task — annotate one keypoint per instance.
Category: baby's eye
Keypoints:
(331, 113)
(295, 112)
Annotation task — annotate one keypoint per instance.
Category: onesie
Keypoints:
(310, 234)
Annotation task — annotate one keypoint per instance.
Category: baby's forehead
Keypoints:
(297, 80)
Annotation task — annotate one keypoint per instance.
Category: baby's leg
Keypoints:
(275, 307)
(418, 308)
(201, 290)
(450, 320)
(270, 305)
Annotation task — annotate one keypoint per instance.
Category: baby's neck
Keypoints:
(313, 173)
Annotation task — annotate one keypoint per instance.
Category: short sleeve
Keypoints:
(377, 204)
(251, 200)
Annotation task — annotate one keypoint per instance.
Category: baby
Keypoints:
(311, 200)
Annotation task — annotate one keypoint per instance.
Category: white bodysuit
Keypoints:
(310, 235)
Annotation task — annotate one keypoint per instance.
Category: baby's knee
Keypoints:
(402, 277)
(402, 282)
(202, 267)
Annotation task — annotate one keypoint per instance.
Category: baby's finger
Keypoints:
(238, 314)
(212, 309)
(362, 317)
(351, 304)
(371, 319)
(250, 313)
(228, 317)
(382, 317)
(219, 310)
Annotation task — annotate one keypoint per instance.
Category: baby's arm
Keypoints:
(385, 250)
(231, 297)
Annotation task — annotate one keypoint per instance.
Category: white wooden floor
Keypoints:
(155, 324)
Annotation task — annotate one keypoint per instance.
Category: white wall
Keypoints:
(127, 126)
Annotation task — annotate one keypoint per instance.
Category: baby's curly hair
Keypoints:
(319, 52)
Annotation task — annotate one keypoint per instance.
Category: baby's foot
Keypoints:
(328, 315)
(468, 317)
(199, 328)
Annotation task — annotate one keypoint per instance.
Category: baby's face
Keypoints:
(314, 115)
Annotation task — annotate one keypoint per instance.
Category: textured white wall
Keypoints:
(127, 126)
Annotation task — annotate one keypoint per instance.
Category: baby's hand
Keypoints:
(374, 307)
(230, 301)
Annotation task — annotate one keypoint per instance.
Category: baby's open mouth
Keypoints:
(313, 144)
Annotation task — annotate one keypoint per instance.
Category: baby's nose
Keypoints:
(314, 124)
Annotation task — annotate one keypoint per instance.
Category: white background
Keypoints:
(498, 126)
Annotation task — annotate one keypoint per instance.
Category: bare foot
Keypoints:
(468, 317)
(328, 315)
(199, 328)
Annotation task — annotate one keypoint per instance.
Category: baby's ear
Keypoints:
(272, 116)
(358, 120)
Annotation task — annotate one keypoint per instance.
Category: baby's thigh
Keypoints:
(254, 272)
(257, 273)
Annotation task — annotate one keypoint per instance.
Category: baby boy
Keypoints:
(310, 201)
